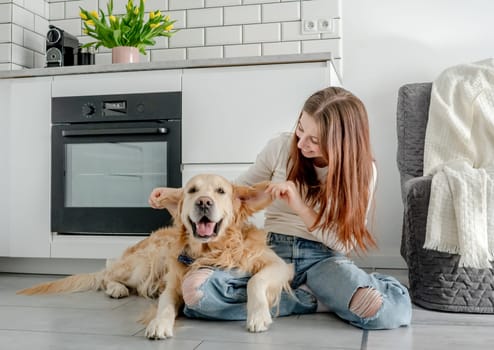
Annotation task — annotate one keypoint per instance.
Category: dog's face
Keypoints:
(209, 204)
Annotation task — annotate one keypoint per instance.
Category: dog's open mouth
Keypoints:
(205, 228)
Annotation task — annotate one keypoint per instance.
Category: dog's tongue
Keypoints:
(205, 229)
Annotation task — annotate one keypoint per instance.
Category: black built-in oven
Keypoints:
(108, 153)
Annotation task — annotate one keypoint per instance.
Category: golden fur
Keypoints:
(210, 226)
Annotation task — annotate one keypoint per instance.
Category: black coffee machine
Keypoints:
(61, 48)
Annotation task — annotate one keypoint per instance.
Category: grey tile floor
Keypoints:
(93, 321)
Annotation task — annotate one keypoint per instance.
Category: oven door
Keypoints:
(103, 173)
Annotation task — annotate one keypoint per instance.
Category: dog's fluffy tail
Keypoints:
(76, 283)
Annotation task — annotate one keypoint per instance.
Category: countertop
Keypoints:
(162, 65)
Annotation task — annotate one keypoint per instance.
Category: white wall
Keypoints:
(387, 43)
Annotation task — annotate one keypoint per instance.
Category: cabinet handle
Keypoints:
(100, 132)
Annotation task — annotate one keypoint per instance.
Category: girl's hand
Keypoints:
(158, 194)
(287, 191)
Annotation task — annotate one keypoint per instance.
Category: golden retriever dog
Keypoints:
(210, 228)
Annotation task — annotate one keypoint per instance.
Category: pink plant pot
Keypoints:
(124, 54)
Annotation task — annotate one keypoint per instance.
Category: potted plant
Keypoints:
(126, 34)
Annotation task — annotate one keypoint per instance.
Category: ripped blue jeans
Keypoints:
(331, 277)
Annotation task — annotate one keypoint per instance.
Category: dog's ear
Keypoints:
(251, 198)
(171, 199)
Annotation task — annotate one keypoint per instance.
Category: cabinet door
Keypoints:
(230, 113)
(29, 167)
(4, 166)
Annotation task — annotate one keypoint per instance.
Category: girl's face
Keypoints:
(308, 137)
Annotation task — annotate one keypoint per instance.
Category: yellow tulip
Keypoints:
(154, 25)
(83, 16)
(112, 18)
(167, 18)
(157, 13)
(90, 22)
(136, 11)
(85, 31)
(94, 14)
(151, 15)
(168, 28)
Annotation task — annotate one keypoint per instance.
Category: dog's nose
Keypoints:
(204, 202)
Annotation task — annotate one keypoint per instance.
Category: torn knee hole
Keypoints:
(366, 302)
(191, 285)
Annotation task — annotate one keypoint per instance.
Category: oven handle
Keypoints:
(96, 132)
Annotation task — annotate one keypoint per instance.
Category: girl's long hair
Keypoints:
(342, 200)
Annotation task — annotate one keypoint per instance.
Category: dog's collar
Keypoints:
(185, 259)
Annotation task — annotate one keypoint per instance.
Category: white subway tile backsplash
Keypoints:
(326, 45)
(5, 53)
(17, 34)
(336, 26)
(247, 50)
(185, 4)
(22, 56)
(118, 6)
(206, 28)
(258, 33)
(39, 60)
(5, 13)
(219, 3)
(179, 17)
(5, 66)
(205, 17)
(224, 35)
(153, 5)
(5, 33)
(284, 48)
(293, 31)
(169, 55)
(161, 42)
(72, 26)
(40, 25)
(57, 10)
(187, 38)
(196, 53)
(34, 41)
(36, 6)
(242, 14)
(72, 8)
(103, 58)
(22, 17)
(285, 11)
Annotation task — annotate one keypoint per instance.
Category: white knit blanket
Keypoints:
(459, 153)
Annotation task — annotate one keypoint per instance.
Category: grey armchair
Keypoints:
(436, 281)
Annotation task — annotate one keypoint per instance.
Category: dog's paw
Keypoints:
(259, 320)
(116, 290)
(159, 328)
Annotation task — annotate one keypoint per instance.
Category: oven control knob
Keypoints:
(88, 110)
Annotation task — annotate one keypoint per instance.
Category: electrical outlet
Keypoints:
(309, 26)
(324, 25)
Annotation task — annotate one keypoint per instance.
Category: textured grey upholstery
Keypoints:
(436, 281)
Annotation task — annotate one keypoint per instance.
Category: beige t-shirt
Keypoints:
(271, 165)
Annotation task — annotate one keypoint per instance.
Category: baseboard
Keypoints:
(50, 266)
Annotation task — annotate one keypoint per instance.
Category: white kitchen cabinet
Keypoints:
(230, 113)
(4, 166)
(117, 83)
(29, 167)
